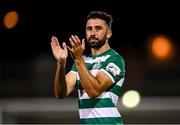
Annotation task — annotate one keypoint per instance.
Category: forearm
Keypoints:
(88, 81)
(60, 88)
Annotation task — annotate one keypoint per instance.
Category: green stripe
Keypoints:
(89, 65)
(96, 103)
(106, 120)
(74, 68)
(79, 85)
(116, 90)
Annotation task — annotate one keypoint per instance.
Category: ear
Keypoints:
(109, 33)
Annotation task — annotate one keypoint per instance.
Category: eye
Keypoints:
(88, 28)
(98, 27)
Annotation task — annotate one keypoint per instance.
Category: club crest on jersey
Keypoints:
(113, 68)
(97, 65)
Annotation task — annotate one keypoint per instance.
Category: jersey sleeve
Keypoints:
(73, 68)
(114, 68)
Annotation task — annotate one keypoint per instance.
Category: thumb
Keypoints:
(83, 43)
(64, 46)
(69, 49)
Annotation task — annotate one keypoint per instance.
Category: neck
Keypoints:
(104, 48)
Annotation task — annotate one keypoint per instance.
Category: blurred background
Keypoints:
(146, 34)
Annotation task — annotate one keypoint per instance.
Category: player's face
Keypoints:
(97, 33)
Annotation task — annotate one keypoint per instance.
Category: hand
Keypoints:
(78, 47)
(59, 53)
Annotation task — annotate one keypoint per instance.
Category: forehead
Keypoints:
(95, 22)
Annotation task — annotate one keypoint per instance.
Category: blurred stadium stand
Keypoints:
(151, 110)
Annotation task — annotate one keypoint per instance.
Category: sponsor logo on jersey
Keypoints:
(113, 68)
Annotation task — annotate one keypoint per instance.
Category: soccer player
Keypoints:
(99, 76)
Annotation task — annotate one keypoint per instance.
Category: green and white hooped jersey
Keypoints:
(102, 110)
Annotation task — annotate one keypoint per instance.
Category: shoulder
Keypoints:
(115, 56)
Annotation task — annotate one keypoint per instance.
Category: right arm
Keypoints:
(63, 84)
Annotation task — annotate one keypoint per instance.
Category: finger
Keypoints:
(53, 45)
(78, 40)
(54, 42)
(71, 41)
(64, 46)
(83, 43)
(74, 40)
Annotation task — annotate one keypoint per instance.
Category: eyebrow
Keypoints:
(94, 26)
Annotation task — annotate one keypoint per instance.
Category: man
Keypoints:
(99, 76)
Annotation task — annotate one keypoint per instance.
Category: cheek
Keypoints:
(87, 36)
(87, 33)
(102, 35)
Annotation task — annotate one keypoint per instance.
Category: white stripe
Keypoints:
(108, 75)
(76, 73)
(114, 98)
(103, 95)
(120, 82)
(94, 72)
(73, 71)
(99, 112)
(91, 60)
(79, 93)
(111, 95)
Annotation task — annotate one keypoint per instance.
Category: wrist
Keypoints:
(79, 61)
(61, 63)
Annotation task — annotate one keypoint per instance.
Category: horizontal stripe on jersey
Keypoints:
(116, 90)
(99, 112)
(96, 103)
(107, 120)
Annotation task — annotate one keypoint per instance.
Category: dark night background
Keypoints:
(27, 66)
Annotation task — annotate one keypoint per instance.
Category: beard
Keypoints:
(95, 42)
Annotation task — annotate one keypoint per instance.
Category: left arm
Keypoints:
(93, 85)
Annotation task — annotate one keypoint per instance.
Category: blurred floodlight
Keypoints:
(161, 47)
(10, 19)
(131, 99)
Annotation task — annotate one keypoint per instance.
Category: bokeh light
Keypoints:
(10, 19)
(131, 99)
(162, 47)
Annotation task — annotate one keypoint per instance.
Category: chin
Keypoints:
(93, 44)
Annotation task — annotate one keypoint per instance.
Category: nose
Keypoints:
(93, 32)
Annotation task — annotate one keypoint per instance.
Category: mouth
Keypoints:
(93, 39)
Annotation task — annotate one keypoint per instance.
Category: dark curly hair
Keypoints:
(101, 15)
